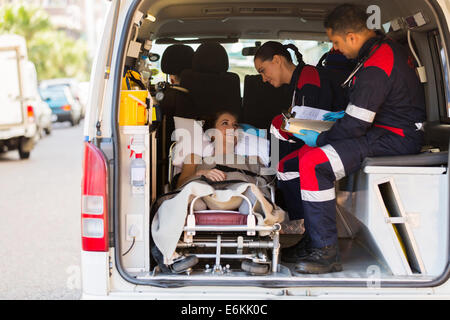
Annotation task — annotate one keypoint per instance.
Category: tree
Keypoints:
(54, 53)
(24, 21)
(57, 56)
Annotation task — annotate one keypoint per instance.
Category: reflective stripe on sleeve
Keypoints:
(319, 196)
(286, 176)
(276, 133)
(335, 161)
(360, 113)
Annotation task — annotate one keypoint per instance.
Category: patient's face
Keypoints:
(227, 124)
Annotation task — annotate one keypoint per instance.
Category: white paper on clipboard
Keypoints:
(308, 113)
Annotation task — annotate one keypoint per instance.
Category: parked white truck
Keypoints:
(18, 128)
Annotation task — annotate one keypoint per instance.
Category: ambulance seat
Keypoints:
(424, 159)
(210, 85)
(334, 68)
(175, 59)
(262, 102)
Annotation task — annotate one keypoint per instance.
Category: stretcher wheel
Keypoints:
(184, 264)
(255, 268)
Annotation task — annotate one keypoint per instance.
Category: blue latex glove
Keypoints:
(253, 130)
(308, 136)
(333, 116)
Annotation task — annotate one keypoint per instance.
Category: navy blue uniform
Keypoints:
(384, 116)
(308, 90)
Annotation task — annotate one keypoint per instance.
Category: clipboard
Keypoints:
(294, 125)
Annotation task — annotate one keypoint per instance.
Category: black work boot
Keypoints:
(298, 251)
(320, 260)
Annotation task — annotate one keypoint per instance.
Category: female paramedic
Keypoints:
(273, 61)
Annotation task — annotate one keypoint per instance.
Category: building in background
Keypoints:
(78, 18)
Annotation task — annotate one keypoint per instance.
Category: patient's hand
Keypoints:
(213, 174)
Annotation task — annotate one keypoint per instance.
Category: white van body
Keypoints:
(108, 275)
(18, 127)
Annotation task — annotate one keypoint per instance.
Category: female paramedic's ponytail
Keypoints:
(272, 48)
(298, 55)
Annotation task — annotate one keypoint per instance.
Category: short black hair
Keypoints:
(347, 18)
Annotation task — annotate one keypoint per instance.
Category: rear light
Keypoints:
(94, 200)
(66, 107)
(30, 113)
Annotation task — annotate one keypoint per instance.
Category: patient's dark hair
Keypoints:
(210, 121)
(272, 48)
(346, 18)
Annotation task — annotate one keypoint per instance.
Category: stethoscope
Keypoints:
(361, 63)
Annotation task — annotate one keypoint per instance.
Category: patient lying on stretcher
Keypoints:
(221, 129)
(215, 177)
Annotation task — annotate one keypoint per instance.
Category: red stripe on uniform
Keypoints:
(297, 153)
(383, 58)
(392, 129)
(277, 122)
(286, 158)
(307, 164)
(309, 75)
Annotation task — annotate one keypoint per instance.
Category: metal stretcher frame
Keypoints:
(251, 228)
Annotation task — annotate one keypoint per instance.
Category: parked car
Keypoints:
(42, 111)
(394, 212)
(84, 94)
(62, 103)
(43, 116)
(19, 107)
(75, 89)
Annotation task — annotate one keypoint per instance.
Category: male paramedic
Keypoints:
(384, 117)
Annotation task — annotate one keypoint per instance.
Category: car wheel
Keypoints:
(23, 154)
(25, 147)
(48, 130)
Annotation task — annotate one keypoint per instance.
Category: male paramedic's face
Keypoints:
(347, 43)
(270, 70)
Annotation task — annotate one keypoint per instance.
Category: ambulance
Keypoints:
(392, 216)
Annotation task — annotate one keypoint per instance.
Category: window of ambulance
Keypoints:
(312, 51)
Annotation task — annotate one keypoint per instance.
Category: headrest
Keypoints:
(210, 57)
(334, 59)
(176, 58)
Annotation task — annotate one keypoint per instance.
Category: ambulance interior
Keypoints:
(392, 216)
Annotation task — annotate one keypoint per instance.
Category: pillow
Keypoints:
(252, 145)
(190, 139)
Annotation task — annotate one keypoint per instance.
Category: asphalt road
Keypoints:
(40, 218)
